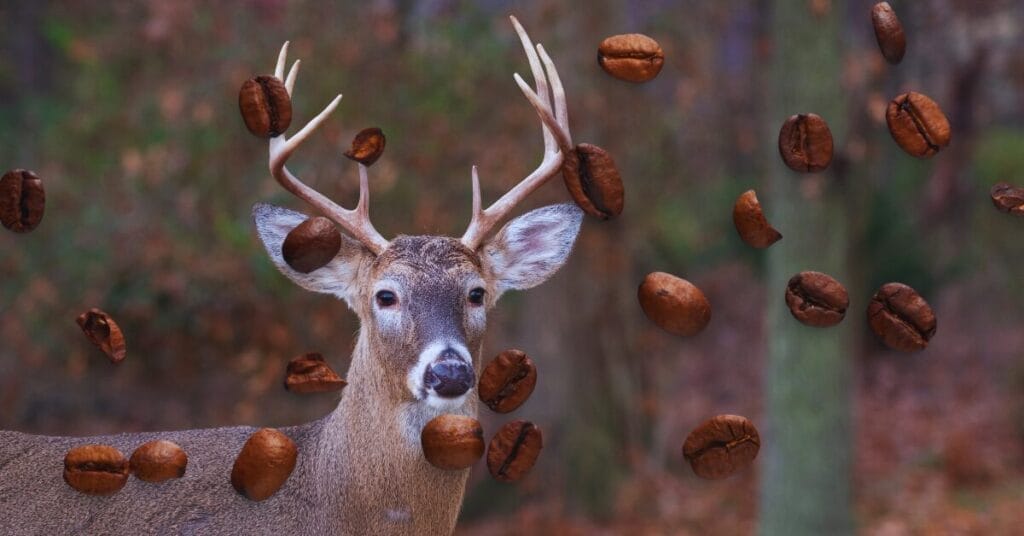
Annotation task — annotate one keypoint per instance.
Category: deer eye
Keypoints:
(386, 298)
(476, 296)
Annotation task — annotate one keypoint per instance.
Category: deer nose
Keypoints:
(449, 376)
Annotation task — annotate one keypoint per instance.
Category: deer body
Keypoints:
(358, 472)
(35, 500)
(422, 302)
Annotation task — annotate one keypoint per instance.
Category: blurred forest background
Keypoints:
(128, 110)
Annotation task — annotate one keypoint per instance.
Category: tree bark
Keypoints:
(806, 452)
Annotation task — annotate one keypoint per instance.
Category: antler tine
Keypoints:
(557, 141)
(476, 191)
(282, 59)
(561, 111)
(356, 221)
(363, 206)
(538, 76)
(289, 83)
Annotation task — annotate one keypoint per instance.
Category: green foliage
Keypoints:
(695, 231)
(996, 245)
(1000, 157)
(897, 244)
(593, 463)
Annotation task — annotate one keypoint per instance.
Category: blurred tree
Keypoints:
(805, 485)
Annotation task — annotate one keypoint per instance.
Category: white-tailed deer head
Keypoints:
(423, 300)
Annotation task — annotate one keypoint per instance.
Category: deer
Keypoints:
(422, 303)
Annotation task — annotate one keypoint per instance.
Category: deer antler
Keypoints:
(557, 141)
(356, 221)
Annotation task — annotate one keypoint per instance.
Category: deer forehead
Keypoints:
(433, 261)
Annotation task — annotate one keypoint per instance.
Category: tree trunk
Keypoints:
(806, 452)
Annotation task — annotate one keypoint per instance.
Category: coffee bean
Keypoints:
(22, 200)
(264, 464)
(751, 223)
(816, 299)
(674, 304)
(805, 143)
(266, 106)
(513, 450)
(157, 461)
(917, 124)
(1008, 198)
(901, 318)
(95, 469)
(102, 331)
(452, 442)
(594, 181)
(721, 446)
(888, 32)
(310, 373)
(311, 244)
(367, 146)
(507, 381)
(631, 57)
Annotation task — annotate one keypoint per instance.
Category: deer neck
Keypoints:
(374, 475)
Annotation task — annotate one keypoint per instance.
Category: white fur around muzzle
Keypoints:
(414, 380)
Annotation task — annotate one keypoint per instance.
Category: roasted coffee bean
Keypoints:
(816, 299)
(631, 57)
(264, 464)
(311, 245)
(888, 32)
(674, 304)
(266, 106)
(594, 181)
(507, 381)
(514, 450)
(901, 318)
(95, 469)
(751, 223)
(22, 200)
(310, 373)
(157, 461)
(805, 143)
(452, 442)
(917, 124)
(1008, 198)
(102, 331)
(721, 446)
(367, 146)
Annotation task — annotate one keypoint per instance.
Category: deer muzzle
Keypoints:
(450, 375)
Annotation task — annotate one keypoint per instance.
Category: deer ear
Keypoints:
(338, 277)
(531, 248)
